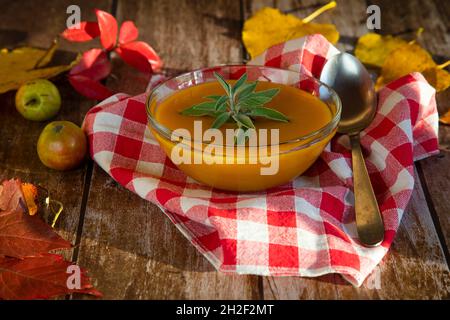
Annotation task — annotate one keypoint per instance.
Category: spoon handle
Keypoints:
(368, 218)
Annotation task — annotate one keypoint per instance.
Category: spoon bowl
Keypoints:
(350, 79)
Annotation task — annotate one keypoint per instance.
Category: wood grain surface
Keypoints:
(130, 248)
(142, 255)
(405, 256)
(434, 17)
(21, 24)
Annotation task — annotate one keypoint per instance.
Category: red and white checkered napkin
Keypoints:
(304, 228)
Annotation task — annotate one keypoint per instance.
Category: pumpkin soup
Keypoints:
(296, 148)
(306, 113)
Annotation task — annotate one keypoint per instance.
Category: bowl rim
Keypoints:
(322, 132)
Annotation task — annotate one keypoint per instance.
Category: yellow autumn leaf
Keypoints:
(438, 77)
(445, 119)
(269, 26)
(47, 57)
(27, 63)
(411, 57)
(373, 49)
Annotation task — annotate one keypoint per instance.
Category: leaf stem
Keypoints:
(319, 11)
(444, 65)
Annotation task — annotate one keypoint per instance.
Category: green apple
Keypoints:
(38, 100)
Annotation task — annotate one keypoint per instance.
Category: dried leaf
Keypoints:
(89, 88)
(27, 271)
(445, 119)
(93, 64)
(85, 31)
(39, 277)
(141, 56)
(30, 194)
(22, 235)
(10, 196)
(411, 57)
(128, 32)
(269, 26)
(373, 49)
(108, 29)
(19, 66)
(47, 57)
(85, 76)
(438, 77)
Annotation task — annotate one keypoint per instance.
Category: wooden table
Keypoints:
(130, 248)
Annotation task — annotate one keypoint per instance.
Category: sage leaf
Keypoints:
(246, 89)
(220, 120)
(213, 97)
(267, 93)
(240, 103)
(221, 101)
(223, 83)
(203, 108)
(252, 101)
(239, 83)
(244, 120)
(268, 113)
(221, 108)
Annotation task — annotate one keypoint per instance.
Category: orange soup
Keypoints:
(306, 114)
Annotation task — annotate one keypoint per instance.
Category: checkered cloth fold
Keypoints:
(303, 228)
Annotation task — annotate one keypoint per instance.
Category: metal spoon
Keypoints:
(352, 82)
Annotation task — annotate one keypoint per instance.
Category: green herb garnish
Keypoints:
(240, 104)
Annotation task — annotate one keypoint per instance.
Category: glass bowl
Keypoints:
(238, 171)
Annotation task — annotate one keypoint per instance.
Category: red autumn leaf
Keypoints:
(27, 271)
(11, 196)
(108, 29)
(141, 56)
(39, 277)
(84, 31)
(128, 32)
(89, 88)
(94, 64)
(22, 235)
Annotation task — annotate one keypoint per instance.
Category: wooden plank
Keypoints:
(435, 171)
(403, 17)
(37, 24)
(136, 251)
(414, 268)
(416, 250)
(295, 287)
(348, 16)
(22, 24)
